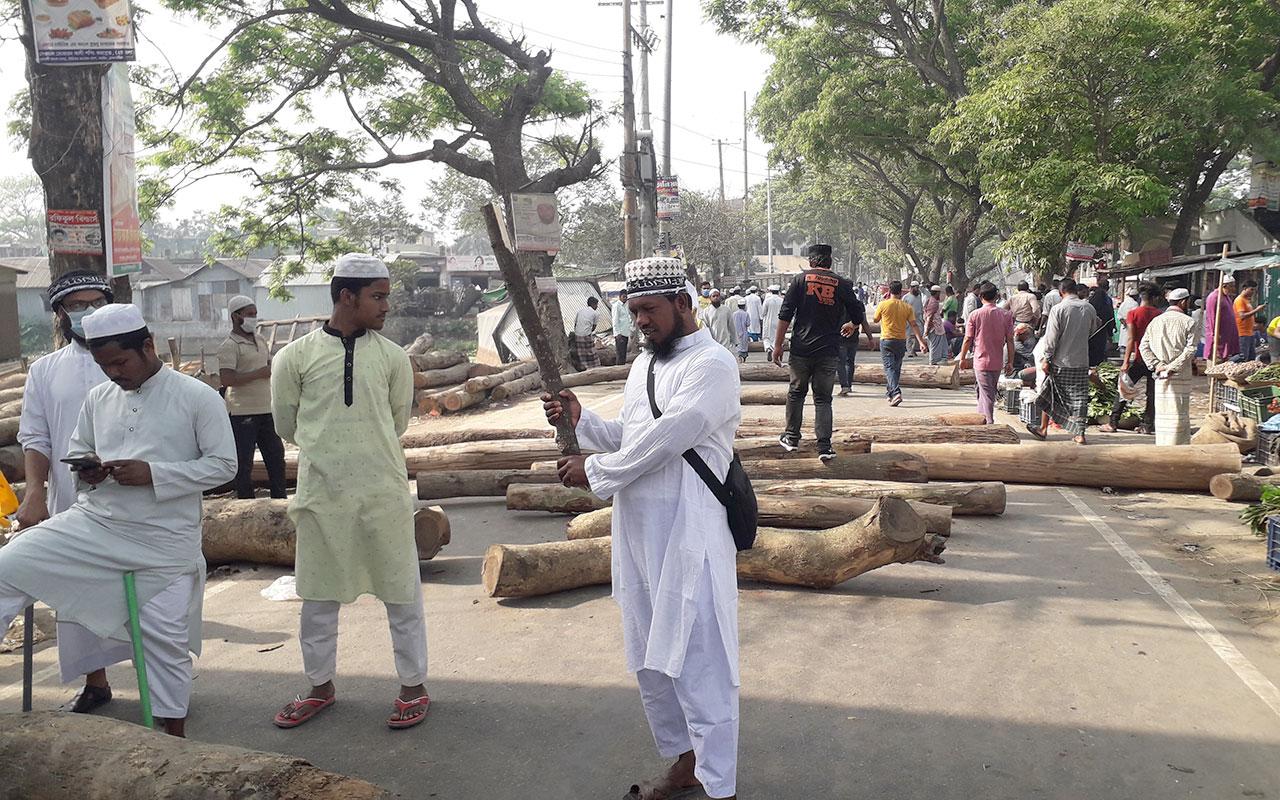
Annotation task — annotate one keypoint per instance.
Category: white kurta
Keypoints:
(718, 320)
(75, 561)
(769, 325)
(669, 531)
(755, 312)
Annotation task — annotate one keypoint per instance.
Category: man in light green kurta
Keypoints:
(342, 394)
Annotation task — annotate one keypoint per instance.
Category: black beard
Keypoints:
(662, 350)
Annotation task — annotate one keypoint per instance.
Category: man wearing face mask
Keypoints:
(244, 366)
(57, 385)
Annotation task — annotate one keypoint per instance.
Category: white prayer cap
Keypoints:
(1229, 278)
(654, 275)
(935, 288)
(773, 287)
(361, 265)
(238, 302)
(717, 291)
(113, 320)
(1177, 294)
(1134, 292)
(915, 283)
(753, 288)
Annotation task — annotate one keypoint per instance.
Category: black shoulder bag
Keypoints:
(735, 494)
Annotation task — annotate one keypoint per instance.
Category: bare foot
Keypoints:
(677, 778)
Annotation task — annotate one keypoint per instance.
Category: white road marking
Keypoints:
(41, 676)
(1221, 645)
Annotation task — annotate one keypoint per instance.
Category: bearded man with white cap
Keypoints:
(1169, 348)
(674, 559)
(146, 445)
(343, 394)
(244, 367)
(754, 305)
(57, 385)
(769, 318)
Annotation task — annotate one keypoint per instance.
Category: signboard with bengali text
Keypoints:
(71, 32)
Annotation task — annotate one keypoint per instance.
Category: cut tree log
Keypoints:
(11, 463)
(987, 498)
(9, 430)
(849, 437)
(13, 380)
(477, 482)
(761, 447)
(437, 359)
(1241, 486)
(505, 391)
(597, 375)
(941, 376)
(423, 344)
(260, 532)
(458, 400)
(9, 395)
(890, 533)
(1138, 466)
(553, 498)
(854, 423)
(485, 383)
(874, 466)
(482, 371)
(428, 400)
(489, 455)
(449, 376)
(807, 513)
(13, 408)
(53, 755)
(435, 437)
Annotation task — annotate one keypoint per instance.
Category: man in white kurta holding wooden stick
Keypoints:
(674, 559)
(151, 441)
(343, 394)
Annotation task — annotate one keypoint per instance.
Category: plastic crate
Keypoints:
(1273, 543)
(1268, 452)
(1226, 398)
(1027, 413)
(1254, 402)
(1010, 401)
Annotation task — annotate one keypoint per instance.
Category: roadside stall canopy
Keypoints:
(1238, 264)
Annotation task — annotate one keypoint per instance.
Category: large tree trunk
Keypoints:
(14, 380)
(478, 482)
(260, 532)
(9, 395)
(758, 447)
(889, 533)
(849, 439)
(49, 755)
(1202, 177)
(9, 430)
(1241, 486)
(598, 375)
(806, 513)
(504, 454)
(942, 376)
(955, 418)
(435, 437)
(1187, 468)
(965, 499)
(873, 467)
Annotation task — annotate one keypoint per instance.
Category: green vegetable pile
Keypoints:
(1268, 374)
(1103, 398)
(1255, 516)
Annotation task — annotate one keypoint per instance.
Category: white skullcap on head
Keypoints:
(361, 265)
(1229, 278)
(1177, 294)
(773, 287)
(238, 302)
(113, 320)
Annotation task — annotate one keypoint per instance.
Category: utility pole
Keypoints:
(666, 101)
(646, 47)
(630, 241)
(768, 213)
(720, 154)
(746, 189)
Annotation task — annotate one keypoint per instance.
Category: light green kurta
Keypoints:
(353, 510)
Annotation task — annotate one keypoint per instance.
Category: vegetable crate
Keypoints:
(1273, 543)
(1027, 413)
(1254, 402)
(1010, 401)
(1226, 398)
(1268, 452)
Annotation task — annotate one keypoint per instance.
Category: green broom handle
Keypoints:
(139, 661)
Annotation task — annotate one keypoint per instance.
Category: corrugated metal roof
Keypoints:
(36, 269)
(1241, 264)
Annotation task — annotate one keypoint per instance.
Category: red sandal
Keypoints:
(311, 705)
(399, 721)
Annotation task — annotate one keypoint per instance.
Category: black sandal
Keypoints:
(88, 699)
(1036, 432)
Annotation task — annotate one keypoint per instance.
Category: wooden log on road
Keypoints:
(9, 395)
(595, 516)
(260, 532)
(924, 376)
(437, 359)
(434, 437)
(874, 466)
(852, 437)
(9, 430)
(506, 454)
(449, 376)
(1241, 486)
(1130, 466)
(953, 419)
(459, 399)
(519, 386)
(477, 482)
(483, 371)
(13, 380)
(13, 408)
(890, 533)
(52, 755)
(597, 375)
(759, 447)
(987, 498)
(484, 384)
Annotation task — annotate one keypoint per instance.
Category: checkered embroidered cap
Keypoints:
(656, 275)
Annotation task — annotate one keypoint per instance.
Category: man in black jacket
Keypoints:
(1105, 308)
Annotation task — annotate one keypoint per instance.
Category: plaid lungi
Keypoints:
(1065, 398)
(585, 348)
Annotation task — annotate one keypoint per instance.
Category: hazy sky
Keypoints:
(711, 72)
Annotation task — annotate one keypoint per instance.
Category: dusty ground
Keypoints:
(1038, 662)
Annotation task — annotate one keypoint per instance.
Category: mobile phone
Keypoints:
(82, 463)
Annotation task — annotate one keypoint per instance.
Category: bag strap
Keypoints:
(708, 477)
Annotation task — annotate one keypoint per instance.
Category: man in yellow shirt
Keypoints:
(895, 317)
(1246, 319)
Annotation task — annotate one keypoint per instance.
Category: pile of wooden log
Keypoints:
(11, 389)
(942, 376)
(452, 384)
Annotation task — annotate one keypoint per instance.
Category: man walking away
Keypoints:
(914, 299)
(769, 310)
(717, 318)
(1105, 309)
(817, 300)
(1247, 320)
(989, 335)
(1064, 398)
(754, 305)
(342, 393)
(1025, 306)
(934, 330)
(585, 323)
(623, 325)
(57, 385)
(1133, 367)
(1168, 348)
(674, 562)
(149, 442)
(244, 367)
(895, 317)
(741, 330)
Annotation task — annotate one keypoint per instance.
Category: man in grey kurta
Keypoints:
(156, 440)
(343, 395)
(1065, 399)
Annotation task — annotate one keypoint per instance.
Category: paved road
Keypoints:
(1037, 663)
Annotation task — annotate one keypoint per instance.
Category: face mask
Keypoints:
(76, 318)
(706, 292)
(249, 324)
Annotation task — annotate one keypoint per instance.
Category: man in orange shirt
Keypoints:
(1246, 319)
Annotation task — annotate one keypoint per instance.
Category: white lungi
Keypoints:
(165, 642)
(318, 636)
(1173, 410)
(698, 710)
